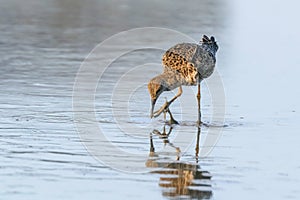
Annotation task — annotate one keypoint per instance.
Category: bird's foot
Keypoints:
(199, 123)
(172, 120)
(164, 109)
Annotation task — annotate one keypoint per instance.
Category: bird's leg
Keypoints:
(197, 144)
(176, 96)
(152, 149)
(172, 120)
(199, 106)
(162, 109)
(165, 111)
(167, 104)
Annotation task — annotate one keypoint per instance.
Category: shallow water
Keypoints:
(43, 45)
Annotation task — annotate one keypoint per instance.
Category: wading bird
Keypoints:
(184, 64)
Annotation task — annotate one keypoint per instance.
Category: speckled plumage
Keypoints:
(184, 64)
(189, 59)
(177, 60)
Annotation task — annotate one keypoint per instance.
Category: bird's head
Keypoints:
(155, 87)
(210, 43)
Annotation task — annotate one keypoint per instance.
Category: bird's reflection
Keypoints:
(178, 178)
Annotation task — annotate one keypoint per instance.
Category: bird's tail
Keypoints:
(207, 40)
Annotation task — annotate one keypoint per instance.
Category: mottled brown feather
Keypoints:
(189, 59)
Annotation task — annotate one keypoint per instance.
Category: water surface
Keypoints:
(42, 45)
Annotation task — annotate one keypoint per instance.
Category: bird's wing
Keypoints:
(179, 58)
(204, 61)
